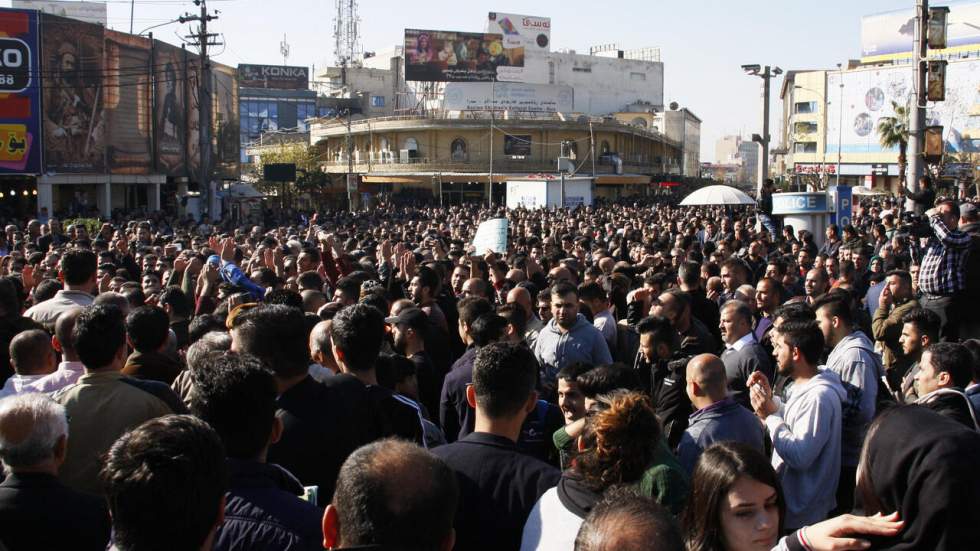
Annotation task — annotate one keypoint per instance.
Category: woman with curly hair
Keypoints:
(622, 445)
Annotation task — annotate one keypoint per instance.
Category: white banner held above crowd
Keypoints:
(491, 235)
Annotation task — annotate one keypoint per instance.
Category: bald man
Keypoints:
(36, 510)
(717, 417)
(475, 287)
(521, 297)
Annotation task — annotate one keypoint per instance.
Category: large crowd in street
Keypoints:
(629, 375)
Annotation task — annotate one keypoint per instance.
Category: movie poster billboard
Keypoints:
(193, 136)
(224, 91)
(446, 56)
(126, 102)
(73, 117)
(20, 106)
(170, 109)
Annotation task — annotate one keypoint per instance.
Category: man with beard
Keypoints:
(423, 289)
(408, 330)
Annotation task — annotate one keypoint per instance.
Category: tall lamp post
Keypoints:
(766, 74)
(840, 120)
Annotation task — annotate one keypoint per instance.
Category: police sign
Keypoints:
(799, 203)
(15, 66)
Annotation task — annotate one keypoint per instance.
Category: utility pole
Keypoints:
(350, 165)
(840, 122)
(204, 39)
(766, 75)
(493, 101)
(917, 118)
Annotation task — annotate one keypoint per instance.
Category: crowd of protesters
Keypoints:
(635, 375)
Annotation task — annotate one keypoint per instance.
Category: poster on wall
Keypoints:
(193, 137)
(447, 56)
(226, 128)
(868, 98)
(20, 106)
(517, 146)
(74, 117)
(170, 112)
(127, 96)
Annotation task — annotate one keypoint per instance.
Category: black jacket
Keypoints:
(323, 423)
(39, 512)
(263, 510)
(498, 487)
(666, 381)
(456, 416)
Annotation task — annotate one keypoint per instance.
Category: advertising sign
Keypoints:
(74, 117)
(127, 92)
(531, 33)
(225, 93)
(170, 112)
(890, 35)
(843, 203)
(20, 106)
(89, 12)
(868, 97)
(528, 195)
(509, 96)
(446, 56)
(282, 77)
(517, 146)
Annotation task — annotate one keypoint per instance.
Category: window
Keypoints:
(411, 144)
(517, 146)
(638, 76)
(604, 148)
(586, 69)
(377, 101)
(639, 121)
(805, 127)
(804, 147)
(805, 107)
(458, 149)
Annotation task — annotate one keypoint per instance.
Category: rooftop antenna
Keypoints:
(284, 49)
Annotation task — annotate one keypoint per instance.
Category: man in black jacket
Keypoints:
(944, 372)
(36, 510)
(661, 368)
(263, 509)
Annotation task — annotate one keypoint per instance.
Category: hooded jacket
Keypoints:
(928, 475)
(859, 368)
(555, 349)
(806, 439)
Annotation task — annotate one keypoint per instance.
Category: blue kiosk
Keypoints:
(805, 210)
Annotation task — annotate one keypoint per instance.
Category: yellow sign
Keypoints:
(13, 142)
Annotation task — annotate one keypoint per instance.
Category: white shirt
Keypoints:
(742, 343)
(47, 312)
(67, 374)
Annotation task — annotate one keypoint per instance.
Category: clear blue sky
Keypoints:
(703, 42)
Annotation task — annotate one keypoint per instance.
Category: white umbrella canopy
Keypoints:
(718, 195)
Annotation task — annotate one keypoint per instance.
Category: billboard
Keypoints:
(512, 96)
(868, 96)
(224, 93)
(74, 117)
(890, 35)
(127, 93)
(20, 108)
(526, 31)
(89, 12)
(170, 108)
(273, 76)
(445, 56)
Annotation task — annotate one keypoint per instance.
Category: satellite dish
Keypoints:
(673, 106)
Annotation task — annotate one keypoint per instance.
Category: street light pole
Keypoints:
(917, 119)
(766, 74)
(840, 120)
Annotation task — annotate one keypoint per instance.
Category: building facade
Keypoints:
(273, 98)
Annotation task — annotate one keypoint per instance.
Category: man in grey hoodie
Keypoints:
(568, 338)
(854, 359)
(806, 430)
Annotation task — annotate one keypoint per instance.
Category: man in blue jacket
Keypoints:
(568, 338)
(718, 417)
(237, 397)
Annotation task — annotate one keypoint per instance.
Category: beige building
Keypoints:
(455, 159)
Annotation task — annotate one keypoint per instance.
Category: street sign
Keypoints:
(844, 203)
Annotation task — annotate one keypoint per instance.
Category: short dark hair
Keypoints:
(572, 372)
(47, 289)
(504, 376)
(953, 358)
(836, 306)
(202, 324)
(236, 395)
(148, 328)
(488, 328)
(428, 278)
(286, 297)
(277, 335)
(905, 276)
(99, 334)
(350, 288)
(660, 329)
(515, 315)
(392, 492)
(804, 335)
(689, 273)
(358, 331)
(795, 311)
(79, 266)
(563, 288)
(172, 468)
(177, 300)
(310, 280)
(624, 519)
(29, 350)
(471, 308)
(592, 291)
(606, 379)
(926, 321)
(392, 369)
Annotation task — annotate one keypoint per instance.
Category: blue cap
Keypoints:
(214, 259)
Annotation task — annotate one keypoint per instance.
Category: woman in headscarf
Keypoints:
(924, 466)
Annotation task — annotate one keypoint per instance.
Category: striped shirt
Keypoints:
(943, 269)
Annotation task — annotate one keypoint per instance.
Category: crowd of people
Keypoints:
(635, 375)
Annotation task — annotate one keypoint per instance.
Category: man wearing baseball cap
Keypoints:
(408, 331)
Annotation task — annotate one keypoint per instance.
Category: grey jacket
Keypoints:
(859, 368)
(724, 421)
(582, 343)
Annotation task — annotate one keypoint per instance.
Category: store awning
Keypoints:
(621, 179)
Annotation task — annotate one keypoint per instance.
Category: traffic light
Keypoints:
(936, 80)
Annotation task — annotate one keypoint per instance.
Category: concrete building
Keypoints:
(748, 160)
(726, 149)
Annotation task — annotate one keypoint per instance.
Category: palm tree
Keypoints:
(894, 131)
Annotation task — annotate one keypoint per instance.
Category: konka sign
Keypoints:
(282, 77)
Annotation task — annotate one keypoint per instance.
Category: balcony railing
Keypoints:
(480, 162)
